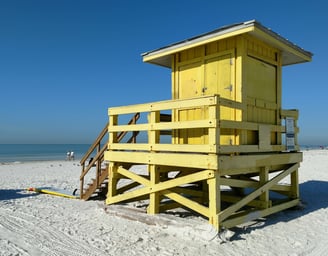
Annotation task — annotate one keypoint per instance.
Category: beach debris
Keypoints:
(55, 192)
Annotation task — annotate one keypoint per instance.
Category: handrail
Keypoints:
(96, 142)
(99, 157)
(213, 124)
(94, 160)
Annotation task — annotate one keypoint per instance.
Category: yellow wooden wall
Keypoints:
(239, 68)
(262, 86)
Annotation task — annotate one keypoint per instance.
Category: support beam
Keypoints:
(253, 215)
(112, 180)
(264, 177)
(154, 197)
(214, 194)
(295, 191)
(203, 175)
(230, 210)
(187, 202)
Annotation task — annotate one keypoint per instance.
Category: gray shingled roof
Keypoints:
(288, 56)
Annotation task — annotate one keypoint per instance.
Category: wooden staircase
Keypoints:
(93, 161)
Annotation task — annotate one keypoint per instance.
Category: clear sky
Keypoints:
(64, 62)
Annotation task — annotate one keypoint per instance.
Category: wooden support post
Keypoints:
(154, 135)
(113, 121)
(112, 181)
(154, 197)
(214, 132)
(264, 177)
(214, 195)
(295, 193)
(204, 188)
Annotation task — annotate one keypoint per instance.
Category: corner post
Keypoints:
(264, 178)
(295, 192)
(112, 181)
(214, 196)
(154, 197)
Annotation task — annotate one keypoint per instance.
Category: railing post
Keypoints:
(113, 120)
(82, 182)
(98, 165)
(153, 138)
(214, 198)
(134, 134)
(264, 178)
(214, 131)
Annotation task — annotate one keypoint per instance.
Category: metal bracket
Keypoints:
(229, 88)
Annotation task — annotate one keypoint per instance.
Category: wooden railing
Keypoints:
(98, 159)
(212, 125)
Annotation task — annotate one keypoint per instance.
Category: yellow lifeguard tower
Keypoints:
(222, 147)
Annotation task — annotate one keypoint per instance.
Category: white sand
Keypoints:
(40, 224)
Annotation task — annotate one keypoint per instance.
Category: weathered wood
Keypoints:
(250, 161)
(230, 210)
(151, 188)
(214, 200)
(223, 130)
(164, 147)
(187, 202)
(193, 162)
(201, 161)
(163, 105)
(256, 214)
(101, 175)
(95, 144)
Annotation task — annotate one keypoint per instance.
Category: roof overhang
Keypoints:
(291, 53)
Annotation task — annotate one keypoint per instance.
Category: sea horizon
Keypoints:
(40, 152)
(49, 152)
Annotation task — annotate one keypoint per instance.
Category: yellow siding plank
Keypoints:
(244, 162)
(164, 105)
(164, 147)
(169, 159)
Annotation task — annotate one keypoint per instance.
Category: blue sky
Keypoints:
(64, 62)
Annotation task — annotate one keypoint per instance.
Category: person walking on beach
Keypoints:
(68, 155)
(72, 155)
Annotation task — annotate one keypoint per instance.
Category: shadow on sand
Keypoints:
(314, 196)
(11, 194)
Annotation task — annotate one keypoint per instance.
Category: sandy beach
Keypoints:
(41, 224)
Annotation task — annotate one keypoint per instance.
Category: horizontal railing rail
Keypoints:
(99, 151)
(158, 123)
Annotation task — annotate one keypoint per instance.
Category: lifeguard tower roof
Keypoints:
(291, 53)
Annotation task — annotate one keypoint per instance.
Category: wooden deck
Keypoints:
(227, 184)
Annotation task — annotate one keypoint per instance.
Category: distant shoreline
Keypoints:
(76, 161)
(40, 152)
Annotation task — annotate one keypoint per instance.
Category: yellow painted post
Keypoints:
(113, 120)
(295, 193)
(296, 125)
(264, 177)
(214, 132)
(154, 198)
(154, 135)
(112, 168)
(214, 196)
(279, 96)
(112, 181)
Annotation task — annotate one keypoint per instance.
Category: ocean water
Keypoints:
(40, 152)
(48, 152)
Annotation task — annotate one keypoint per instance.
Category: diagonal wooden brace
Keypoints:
(203, 175)
(232, 209)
